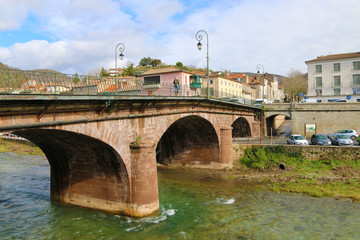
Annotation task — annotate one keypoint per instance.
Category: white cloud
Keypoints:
(279, 34)
(14, 13)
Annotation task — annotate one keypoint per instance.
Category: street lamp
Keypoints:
(258, 68)
(121, 55)
(199, 37)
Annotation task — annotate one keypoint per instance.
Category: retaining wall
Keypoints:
(309, 152)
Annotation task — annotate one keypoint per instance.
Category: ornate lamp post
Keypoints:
(120, 47)
(199, 37)
(258, 68)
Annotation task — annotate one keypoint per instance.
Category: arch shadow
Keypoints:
(82, 167)
(241, 128)
(190, 140)
(274, 125)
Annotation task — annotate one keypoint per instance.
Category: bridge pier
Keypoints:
(226, 157)
(144, 197)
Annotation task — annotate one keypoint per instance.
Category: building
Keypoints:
(113, 72)
(170, 82)
(222, 87)
(334, 76)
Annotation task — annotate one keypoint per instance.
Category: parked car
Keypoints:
(297, 140)
(351, 132)
(358, 140)
(319, 139)
(310, 101)
(259, 102)
(340, 139)
(237, 100)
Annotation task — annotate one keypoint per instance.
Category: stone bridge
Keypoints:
(326, 117)
(103, 151)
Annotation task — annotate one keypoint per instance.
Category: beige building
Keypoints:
(334, 76)
(223, 87)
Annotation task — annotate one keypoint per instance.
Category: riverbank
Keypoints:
(280, 170)
(338, 183)
(19, 148)
(277, 169)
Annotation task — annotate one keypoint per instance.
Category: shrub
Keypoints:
(270, 157)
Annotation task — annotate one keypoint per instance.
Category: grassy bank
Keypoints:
(291, 172)
(19, 147)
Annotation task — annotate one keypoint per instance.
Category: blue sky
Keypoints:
(80, 36)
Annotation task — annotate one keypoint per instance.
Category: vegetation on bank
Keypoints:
(332, 176)
(19, 148)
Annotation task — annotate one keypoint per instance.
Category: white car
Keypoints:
(297, 140)
(350, 132)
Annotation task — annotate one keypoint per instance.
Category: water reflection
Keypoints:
(193, 206)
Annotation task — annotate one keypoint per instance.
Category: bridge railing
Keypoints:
(14, 81)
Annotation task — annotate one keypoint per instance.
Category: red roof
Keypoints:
(255, 82)
(237, 75)
(335, 57)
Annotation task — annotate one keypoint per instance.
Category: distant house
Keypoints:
(121, 85)
(33, 86)
(259, 89)
(334, 76)
(84, 89)
(55, 88)
(170, 82)
(113, 72)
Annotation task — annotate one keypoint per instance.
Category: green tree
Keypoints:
(180, 65)
(146, 61)
(155, 62)
(76, 79)
(104, 73)
(130, 70)
(296, 82)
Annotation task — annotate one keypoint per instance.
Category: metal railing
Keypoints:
(13, 81)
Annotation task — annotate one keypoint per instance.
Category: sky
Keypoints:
(80, 36)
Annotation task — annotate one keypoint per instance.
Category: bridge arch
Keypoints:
(190, 140)
(241, 128)
(84, 170)
(274, 122)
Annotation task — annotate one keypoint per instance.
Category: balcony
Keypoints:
(151, 85)
(195, 85)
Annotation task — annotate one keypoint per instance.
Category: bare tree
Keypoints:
(296, 82)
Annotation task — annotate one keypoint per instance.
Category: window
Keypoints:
(318, 68)
(337, 91)
(356, 79)
(356, 65)
(356, 91)
(318, 92)
(152, 80)
(336, 67)
(211, 81)
(318, 81)
(211, 92)
(337, 81)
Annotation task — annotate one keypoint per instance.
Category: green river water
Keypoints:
(192, 206)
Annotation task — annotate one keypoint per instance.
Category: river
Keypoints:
(192, 206)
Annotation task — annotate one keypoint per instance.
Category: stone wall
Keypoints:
(327, 117)
(309, 152)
